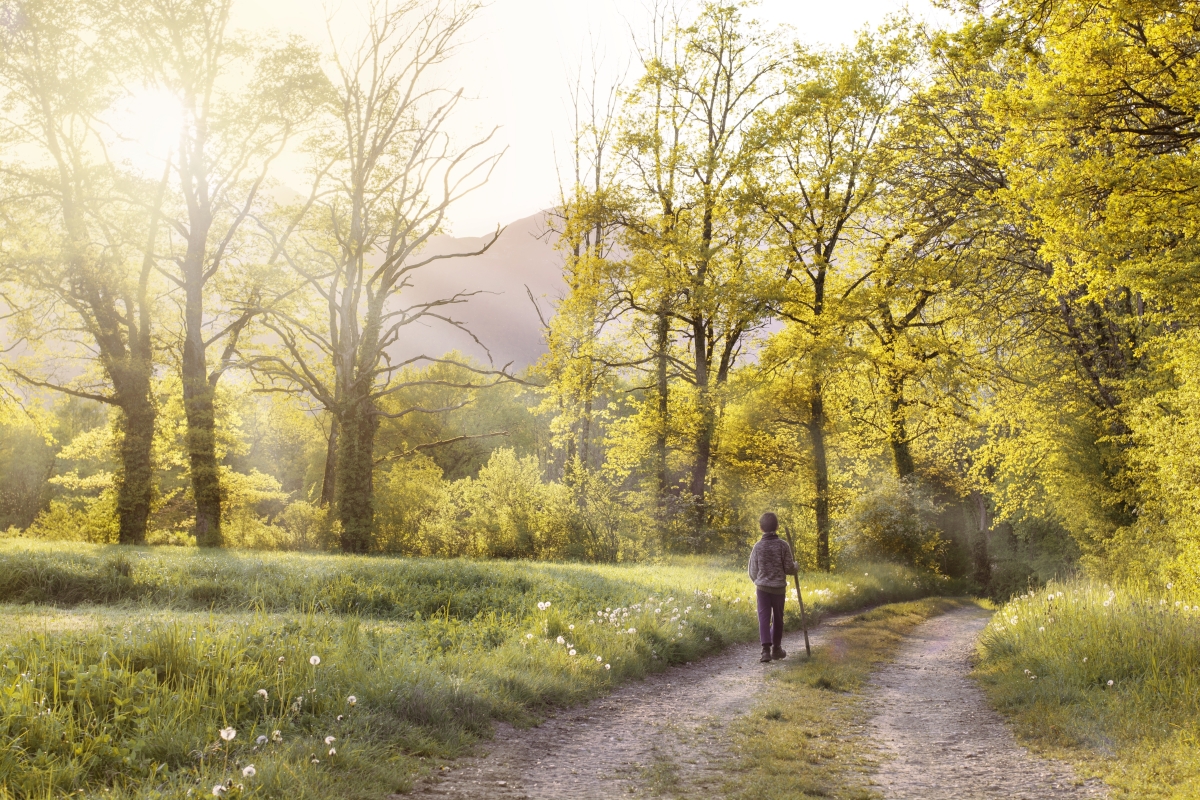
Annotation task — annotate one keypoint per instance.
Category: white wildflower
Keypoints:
(262, 693)
(276, 736)
(249, 771)
(352, 700)
(218, 790)
(633, 630)
(228, 733)
(561, 640)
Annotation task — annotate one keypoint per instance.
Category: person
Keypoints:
(771, 562)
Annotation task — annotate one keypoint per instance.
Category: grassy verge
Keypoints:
(123, 685)
(1109, 679)
(805, 738)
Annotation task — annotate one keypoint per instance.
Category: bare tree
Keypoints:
(389, 172)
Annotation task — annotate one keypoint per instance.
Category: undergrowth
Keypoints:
(1107, 677)
(124, 686)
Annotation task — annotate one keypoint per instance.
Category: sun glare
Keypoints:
(147, 124)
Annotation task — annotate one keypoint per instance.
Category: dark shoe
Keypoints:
(778, 653)
(766, 655)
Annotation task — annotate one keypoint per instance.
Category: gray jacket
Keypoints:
(771, 562)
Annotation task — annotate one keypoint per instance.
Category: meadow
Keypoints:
(1106, 676)
(169, 672)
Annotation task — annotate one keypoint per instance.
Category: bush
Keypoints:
(406, 495)
(80, 519)
(895, 522)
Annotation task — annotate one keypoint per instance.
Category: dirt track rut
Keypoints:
(939, 737)
(659, 732)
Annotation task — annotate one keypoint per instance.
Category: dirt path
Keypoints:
(941, 739)
(639, 741)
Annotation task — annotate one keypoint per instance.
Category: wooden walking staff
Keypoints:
(799, 594)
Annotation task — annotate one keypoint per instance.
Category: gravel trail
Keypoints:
(642, 739)
(940, 739)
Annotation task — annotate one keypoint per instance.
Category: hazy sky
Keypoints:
(517, 65)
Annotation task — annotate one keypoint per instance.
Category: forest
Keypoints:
(930, 296)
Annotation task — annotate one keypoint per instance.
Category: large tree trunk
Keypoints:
(902, 456)
(329, 479)
(355, 470)
(198, 404)
(816, 434)
(200, 411)
(135, 481)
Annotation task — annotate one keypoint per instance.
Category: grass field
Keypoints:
(1106, 677)
(332, 675)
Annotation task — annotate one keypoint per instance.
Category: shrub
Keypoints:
(79, 519)
(895, 522)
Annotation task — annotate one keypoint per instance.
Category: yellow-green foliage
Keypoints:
(169, 646)
(1112, 675)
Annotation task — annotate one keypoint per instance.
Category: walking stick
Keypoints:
(799, 594)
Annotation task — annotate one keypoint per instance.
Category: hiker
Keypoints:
(770, 563)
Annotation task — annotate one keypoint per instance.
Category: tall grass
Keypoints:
(130, 699)
(1112, 672)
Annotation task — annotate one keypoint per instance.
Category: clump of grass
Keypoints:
(128, 691)
(1107, 676)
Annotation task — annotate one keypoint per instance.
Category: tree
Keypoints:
(388, 171)
(822, 165)
(230, 136)
(694, 269)
(82, 263)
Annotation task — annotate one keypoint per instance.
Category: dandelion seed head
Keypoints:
(561, 640)
(1110, 683)
(276, 736)
(228, 733)
(608, 666)
(571, 652)
(352, 700)
(261, 740)
(218, 790)
(262, 693)
(330, 739)
(249, 771)
(571, 627)
(633, 630)
(314, 660)
(333, 751)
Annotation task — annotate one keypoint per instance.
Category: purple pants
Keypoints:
(770, 605)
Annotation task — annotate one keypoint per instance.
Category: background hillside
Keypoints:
(501, 315)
